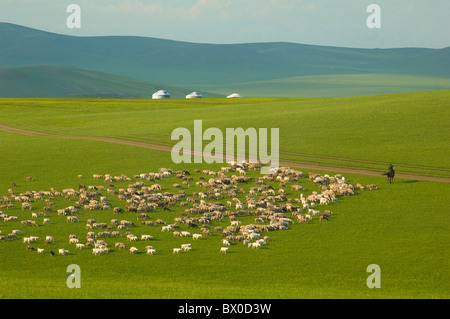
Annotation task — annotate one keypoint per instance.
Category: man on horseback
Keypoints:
(391, 173)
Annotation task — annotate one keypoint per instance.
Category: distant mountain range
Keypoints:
(33, 62)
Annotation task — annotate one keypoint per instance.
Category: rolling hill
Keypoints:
(334, 85)
(187, 64)
(57, 81)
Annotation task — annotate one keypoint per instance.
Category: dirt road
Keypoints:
(282, 163)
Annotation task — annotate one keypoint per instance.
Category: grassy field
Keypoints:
(408, 129)
(402, 227)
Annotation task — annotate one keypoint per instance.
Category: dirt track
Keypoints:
(282, 163)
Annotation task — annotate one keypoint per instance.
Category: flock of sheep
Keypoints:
(221, 198)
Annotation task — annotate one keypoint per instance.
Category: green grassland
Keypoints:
(408, 129)
(402, 227)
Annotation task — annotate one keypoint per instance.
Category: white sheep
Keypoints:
(132, 237)
(197, 236)
(62, 251)
(261, 241)
(98, 251)
(226, 242)
(72, 219)
(186, 247)
(40, 250)
(176, 250)
(133, 250)
(73, 240)
(223, 250)
(146, 237)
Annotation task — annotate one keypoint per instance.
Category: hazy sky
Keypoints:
(404, 23)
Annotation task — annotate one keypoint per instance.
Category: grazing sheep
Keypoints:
(62, 251)
(26, 206)
(255, 245)
(132, 237)
(186, 247)
(72, 219)
(121, 246)
(133, 250)
(118, 210)
(73, 241)
(98, 251)
(40, 250)
(326, 215)
(267, 204)
(196, 236)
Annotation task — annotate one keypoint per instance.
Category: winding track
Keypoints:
(282, 163)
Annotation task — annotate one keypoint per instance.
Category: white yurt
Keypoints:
(193, 95)
(233, 95)
(161, 94)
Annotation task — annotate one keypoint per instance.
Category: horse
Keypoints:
(390, 175)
